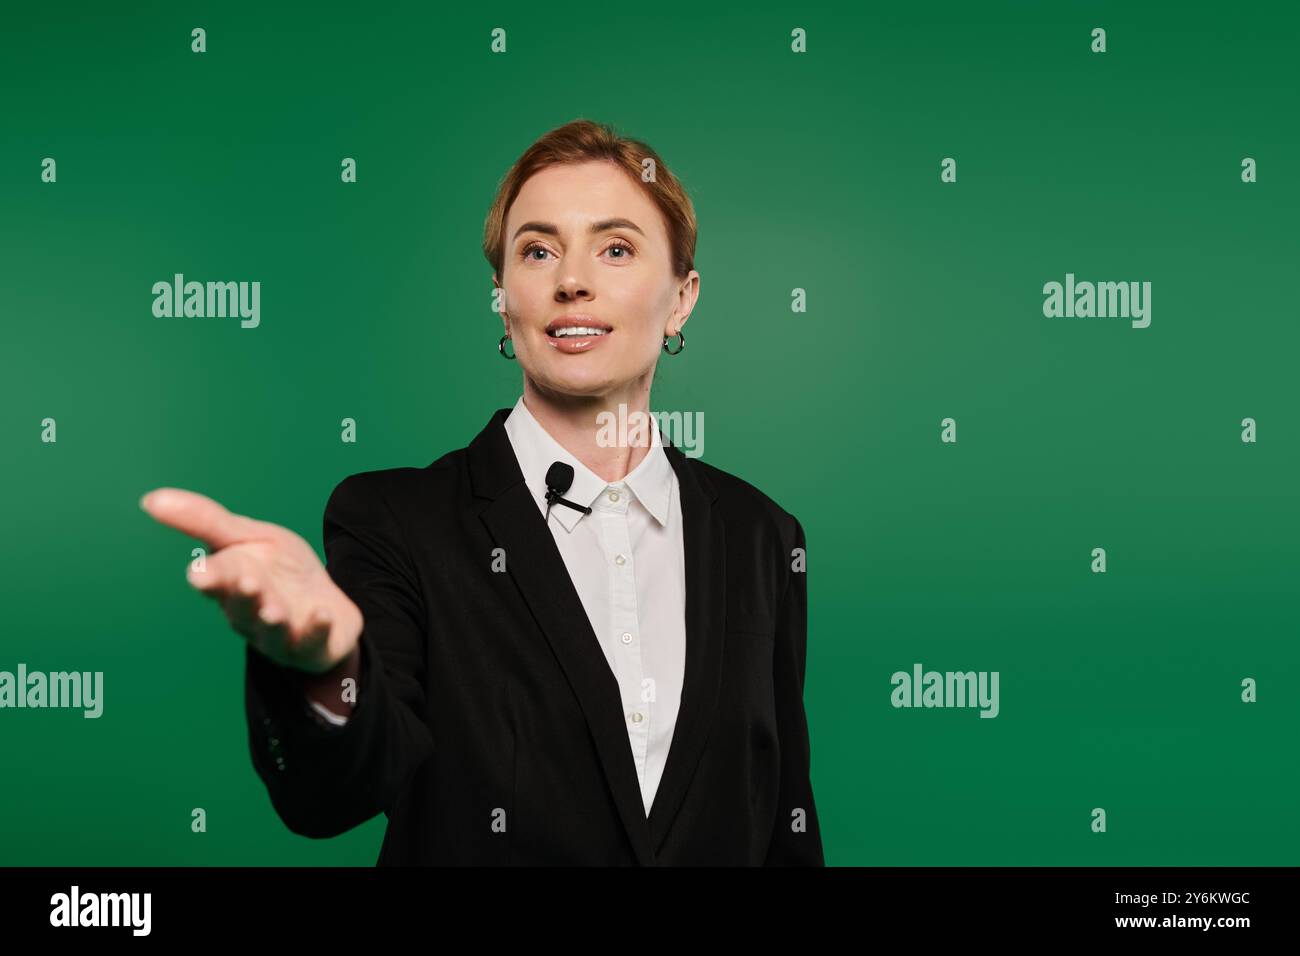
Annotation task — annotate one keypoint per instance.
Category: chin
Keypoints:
(589, 384)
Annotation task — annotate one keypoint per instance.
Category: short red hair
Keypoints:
(583, 141)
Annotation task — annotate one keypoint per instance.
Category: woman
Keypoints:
(547, 647)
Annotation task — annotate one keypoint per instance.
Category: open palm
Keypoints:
(270, 583)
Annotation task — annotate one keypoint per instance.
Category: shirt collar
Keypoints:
(650, 481)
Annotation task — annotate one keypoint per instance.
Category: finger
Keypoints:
(306, 631)
(241, 609)
(240, 584)
(273, 611)
(253, 604)
(285, 641)
(201, 517)
(315, 634)
(256, 613)
(223, 572)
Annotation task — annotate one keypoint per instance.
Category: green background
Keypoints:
(819, 171)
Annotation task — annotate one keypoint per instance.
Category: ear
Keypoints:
(687, 295)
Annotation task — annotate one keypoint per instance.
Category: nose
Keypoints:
(572, 286)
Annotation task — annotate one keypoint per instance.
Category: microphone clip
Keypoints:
(559, 477)
(553, 498)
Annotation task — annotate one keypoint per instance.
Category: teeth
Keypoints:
(577, 330)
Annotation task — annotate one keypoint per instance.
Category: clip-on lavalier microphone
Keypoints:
(559, 477)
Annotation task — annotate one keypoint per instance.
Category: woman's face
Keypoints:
(585, 247)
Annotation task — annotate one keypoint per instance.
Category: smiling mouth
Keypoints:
(577, 332)
(577, 328)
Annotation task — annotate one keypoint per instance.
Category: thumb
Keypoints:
(200, 517)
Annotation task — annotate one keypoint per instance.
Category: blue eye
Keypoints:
(624, 248)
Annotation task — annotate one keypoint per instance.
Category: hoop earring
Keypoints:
(681, 343)
(501, 347)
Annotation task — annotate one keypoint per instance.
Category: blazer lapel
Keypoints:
(704, 547)
(533, 561)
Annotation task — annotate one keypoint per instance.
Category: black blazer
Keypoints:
(488, 725)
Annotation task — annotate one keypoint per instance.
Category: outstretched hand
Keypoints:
(270, 583)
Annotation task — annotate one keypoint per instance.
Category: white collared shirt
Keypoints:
(627, 563)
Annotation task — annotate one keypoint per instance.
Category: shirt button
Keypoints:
(636, 717)
(619, 559)
(626, 638)
(613, 496)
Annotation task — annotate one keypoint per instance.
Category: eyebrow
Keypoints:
(601, 226)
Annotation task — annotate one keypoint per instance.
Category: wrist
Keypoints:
(326, 687)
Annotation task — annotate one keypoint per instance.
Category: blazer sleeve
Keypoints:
(322, 779)
(796, 837)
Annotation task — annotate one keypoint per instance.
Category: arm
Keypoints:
(796, 838)
(325, 779)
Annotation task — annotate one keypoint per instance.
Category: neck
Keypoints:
(577, 423)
